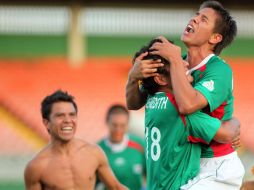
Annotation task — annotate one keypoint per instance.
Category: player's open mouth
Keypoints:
(189, 29)
(66, 129)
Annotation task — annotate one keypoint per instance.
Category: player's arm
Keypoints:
(228, 131)
(204, 128)
(189, 99)
(105, 173)
(135, 97)
(32, 176)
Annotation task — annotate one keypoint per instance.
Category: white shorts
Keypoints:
(218, 173)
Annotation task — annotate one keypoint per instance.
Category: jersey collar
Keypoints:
(118, 147)
(202, 63)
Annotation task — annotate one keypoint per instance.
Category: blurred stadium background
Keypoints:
(86, 48)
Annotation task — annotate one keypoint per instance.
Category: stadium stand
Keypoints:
(12, 143)
(95, 86)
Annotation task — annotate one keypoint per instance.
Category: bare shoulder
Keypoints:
(90, 148)
(36, 164)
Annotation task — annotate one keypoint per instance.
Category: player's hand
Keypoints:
(236, 143)
(166, 49)
(144, 68)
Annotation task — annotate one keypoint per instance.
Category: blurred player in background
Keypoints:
(66, 162)
(125, 152)
(206, 35)
(171, 158)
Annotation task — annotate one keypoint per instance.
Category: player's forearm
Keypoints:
(186, 96)
(228, 131)
(135, 99)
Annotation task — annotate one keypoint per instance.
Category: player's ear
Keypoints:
(215, 38)
(46, 123)
(160, 80)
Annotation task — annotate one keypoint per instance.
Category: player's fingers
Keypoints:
(149, 71)
(153, 65)
(141, 62)
(154, 52)
(157, 61)
(151, 62)
(155, 46)
(151, 75)
(236, 144)
(163, 39)
(236, 139)
(141, 56)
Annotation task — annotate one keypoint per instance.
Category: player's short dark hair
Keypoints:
(116, 109)
(149, 85)
(57, 96)
(225, 25)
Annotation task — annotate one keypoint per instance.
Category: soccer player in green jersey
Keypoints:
(124, 151)
(171, 159)
(206, 34)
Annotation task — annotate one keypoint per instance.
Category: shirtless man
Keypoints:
(66, 163)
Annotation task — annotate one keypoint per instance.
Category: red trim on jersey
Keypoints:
(134, 145)
(196, 139)
(221, 149)
(203, 68)
(173, 101)
(219, 112)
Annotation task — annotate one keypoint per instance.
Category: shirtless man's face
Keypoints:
(62, 121)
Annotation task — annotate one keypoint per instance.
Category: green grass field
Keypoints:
(20, 46)
(14, 185)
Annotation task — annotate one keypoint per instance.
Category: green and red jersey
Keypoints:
(171, 159)
(214, 79)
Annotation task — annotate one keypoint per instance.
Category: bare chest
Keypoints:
(69, 173)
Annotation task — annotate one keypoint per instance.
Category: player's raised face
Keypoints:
(200, 28)
(118, 124)
(62, 121)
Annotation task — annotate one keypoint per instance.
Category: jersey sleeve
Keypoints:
(202, 127)
(215, 84)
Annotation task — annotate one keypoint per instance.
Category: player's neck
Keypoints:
(62, 147)
(196, 55)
